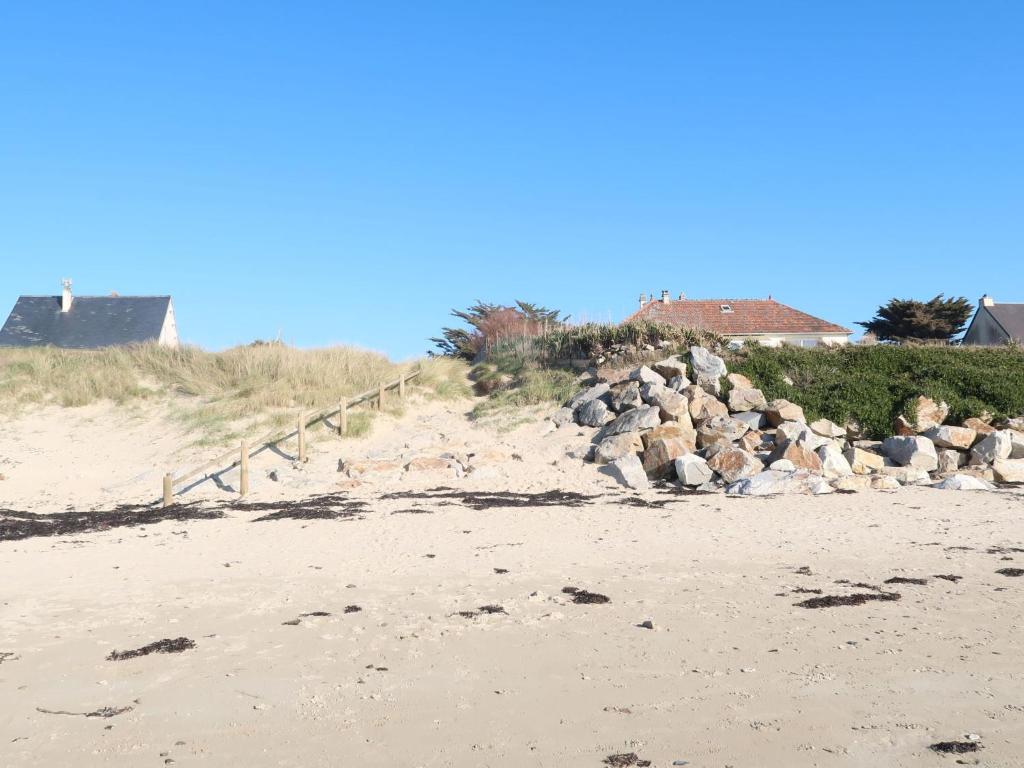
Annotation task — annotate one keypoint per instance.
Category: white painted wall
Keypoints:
(169, 331)
(796, 339)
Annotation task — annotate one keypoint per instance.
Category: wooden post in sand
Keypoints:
(380, 397)
(342, 418)
(401, 386)
(243, 469)
(168, 489)
(302, 437)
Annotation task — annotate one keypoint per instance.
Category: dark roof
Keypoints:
(92, 321)
(1010, 318)
(748, 316)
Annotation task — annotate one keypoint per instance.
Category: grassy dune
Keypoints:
(216, 393)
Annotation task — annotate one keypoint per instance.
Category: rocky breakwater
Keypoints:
(686, 419)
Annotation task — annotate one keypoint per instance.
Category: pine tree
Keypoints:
(939, 319)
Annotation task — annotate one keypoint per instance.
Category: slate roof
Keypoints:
(1010, 318)
(91, 323)
(748, 317)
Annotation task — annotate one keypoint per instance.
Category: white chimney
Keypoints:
(65, 295)
(643, 300)
(665, 298)
(987, 301)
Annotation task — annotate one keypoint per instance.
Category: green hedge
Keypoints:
(873, 385)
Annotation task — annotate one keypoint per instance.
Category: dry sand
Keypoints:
(733, 672)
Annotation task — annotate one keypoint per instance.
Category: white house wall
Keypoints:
(169, 332)
(797, 340)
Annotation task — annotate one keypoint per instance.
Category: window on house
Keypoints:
(808, 342)
(726, 308)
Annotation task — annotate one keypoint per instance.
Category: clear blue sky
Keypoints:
(348, 172)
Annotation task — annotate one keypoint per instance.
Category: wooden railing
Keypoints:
(304, 420)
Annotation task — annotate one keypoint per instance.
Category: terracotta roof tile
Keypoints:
(748, 317)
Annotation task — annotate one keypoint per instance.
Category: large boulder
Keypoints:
(739, 381)
(670, 368)
(590, 393)
(778, 411)
(907, 451)
(593, 413)
(833, 463)
(720, 429)
(753, 419)
(617, 446)
(773, 482)
(628, 471)
(960, 438)
(928, 414)
(644, 417)
(746, 399)
(704, 405)
(1009, 470)
(672, 429)
(802, 458)
(678, 383)
(950, 461)
(800, 434)
(732, 464)
(672, 405)
(906, 475)
(752, 441)
(1016, 444)
(998, 445)
(827, 429)
(979, 425)
(708, 369)
(625, 396)
(691, 469)
(963, 483)
(863, 462)
(661, 453)
(645, 375)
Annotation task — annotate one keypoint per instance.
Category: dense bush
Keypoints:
(873, 385)
(577, 342)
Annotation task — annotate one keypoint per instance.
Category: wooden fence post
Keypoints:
(380, 397)
(342, 419)
(302, 437)
(243, 469)
(401, 386)
(168, 490)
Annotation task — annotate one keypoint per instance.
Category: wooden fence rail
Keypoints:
(248, 448)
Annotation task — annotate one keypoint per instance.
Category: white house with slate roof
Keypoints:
(89, 322)
(996, 324)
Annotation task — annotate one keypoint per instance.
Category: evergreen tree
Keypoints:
(939, 319)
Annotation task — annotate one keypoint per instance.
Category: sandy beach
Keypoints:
(423, 619)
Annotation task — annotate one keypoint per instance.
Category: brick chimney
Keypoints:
(643, 300)
(987, 301)
(65, 295)
(665, 298)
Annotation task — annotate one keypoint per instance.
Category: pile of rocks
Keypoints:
(676, 420)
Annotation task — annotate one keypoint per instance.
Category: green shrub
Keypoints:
(587, 341)
(873, 385)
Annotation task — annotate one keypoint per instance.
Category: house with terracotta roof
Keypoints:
(995, 324)
(764, 320)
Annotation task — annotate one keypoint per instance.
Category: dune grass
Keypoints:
(218, 395)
